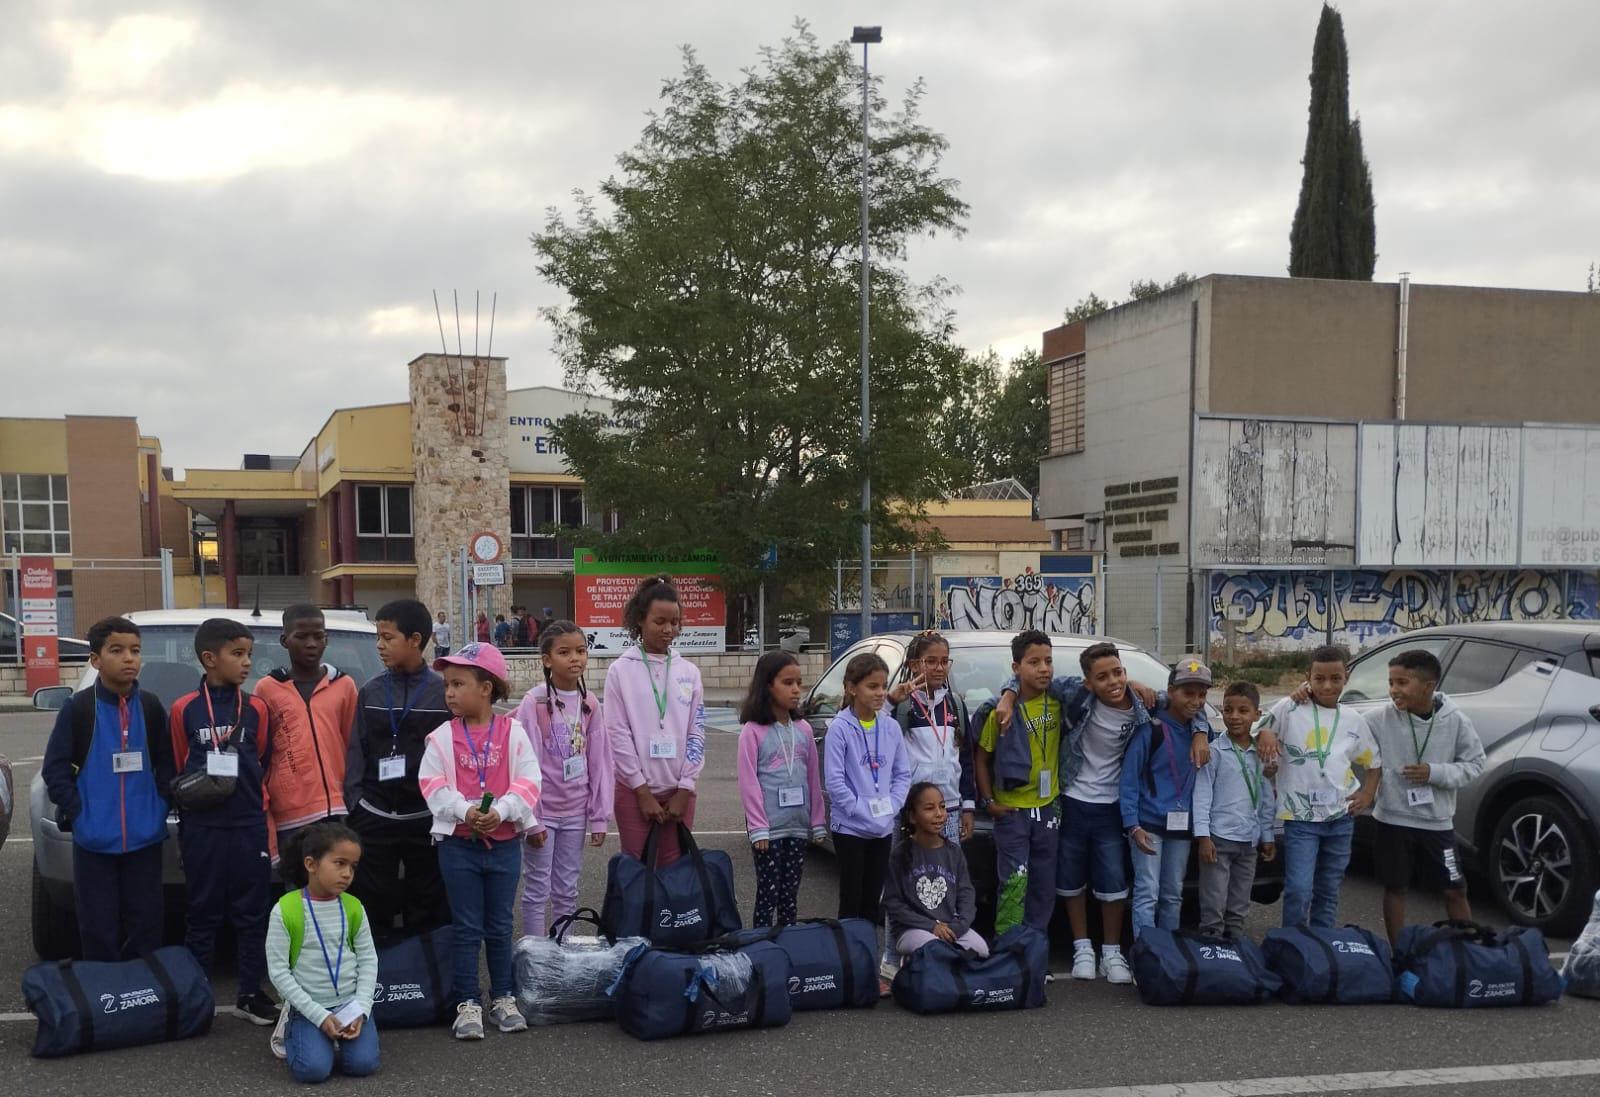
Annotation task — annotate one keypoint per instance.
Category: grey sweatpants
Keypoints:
(1225, 887)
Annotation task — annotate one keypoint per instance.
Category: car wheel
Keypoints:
(1542, 865)
(55, 928)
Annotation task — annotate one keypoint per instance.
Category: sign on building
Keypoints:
(1561, 496)
(532, 415)
(603, 583)
(40, 624)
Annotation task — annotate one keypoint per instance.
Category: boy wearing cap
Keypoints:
(1156, 794)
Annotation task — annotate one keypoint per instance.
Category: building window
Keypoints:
(34, 515)
(383, 524)
(1073, 541)
(1066, 406)
(533, 511)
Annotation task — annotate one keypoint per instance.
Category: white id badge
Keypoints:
(392, 768)
(1419, 795)
(1177, 820)
(222, 763)
(1044, 784)
(791, 797)
(347, 1014)
(663, 748)
(1324, 797)
(127, 761)
(575, 768)
(880, 806)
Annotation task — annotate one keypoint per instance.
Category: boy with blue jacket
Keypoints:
(106, 769)
(1156, 797)
(1234, 806)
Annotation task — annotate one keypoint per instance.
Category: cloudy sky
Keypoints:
(227, 219)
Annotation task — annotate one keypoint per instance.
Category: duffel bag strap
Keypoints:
(963, 992)
(1515, 938)
(847, 967)
(1191, 977)
(80, 1002)
(688, 846)
(1333, 963)
(758, 983)
(169, 991)
(430, 962)
(563, 924)
(1458, 950)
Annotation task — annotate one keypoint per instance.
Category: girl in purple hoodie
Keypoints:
(780, 786)
(655, 716)
(575, 758)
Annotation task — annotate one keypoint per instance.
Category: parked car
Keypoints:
(169, 671)
(1528, 824)
(68, 650)
(980, 663)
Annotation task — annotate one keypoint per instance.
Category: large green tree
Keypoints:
(1334, 234)
(713, 292)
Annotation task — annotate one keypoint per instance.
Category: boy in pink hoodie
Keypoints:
(655, 717)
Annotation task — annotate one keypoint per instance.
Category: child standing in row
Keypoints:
(480, 775)
(1233, 809)
(574, 756)
(327, 990)
(655, 716)
(780, 786)
(928, 895)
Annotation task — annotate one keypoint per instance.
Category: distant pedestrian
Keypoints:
(441, 637)
(502, 631)
(482, 630)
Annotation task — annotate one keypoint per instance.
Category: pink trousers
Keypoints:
(633, 829)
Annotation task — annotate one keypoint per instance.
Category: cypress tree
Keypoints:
(1334, 234)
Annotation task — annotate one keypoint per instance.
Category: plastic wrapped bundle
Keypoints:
(1582, 969)
(564, 977)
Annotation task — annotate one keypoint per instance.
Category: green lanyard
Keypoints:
(1426, 739)
(666, 677)
(1327, 746)
(1252, 786)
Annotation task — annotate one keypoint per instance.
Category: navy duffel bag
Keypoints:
(413, 988)
(1468, 966)
(1187, 968)
(834, 961)
(1349, 966)
(90, 1006)
(941, 978)
(665, 992)
(683, 904)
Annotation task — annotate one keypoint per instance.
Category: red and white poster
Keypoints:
(40, 655)
(603, 583)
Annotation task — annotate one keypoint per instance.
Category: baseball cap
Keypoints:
(1191, 672)
(486, 657)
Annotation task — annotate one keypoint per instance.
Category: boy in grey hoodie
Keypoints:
(1429, 750)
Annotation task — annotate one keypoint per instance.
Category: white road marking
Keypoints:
(1333, 1083)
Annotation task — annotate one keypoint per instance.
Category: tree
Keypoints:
(1138, 290)
(716, 299)
(1334, 234)
(1017, 425)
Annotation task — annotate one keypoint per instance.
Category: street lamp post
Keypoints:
(865, 36)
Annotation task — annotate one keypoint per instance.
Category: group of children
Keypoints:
(452, 810)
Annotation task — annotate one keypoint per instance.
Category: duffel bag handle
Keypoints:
(689, 848)
(563, 924)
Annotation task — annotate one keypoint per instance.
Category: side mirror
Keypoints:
(52, 698)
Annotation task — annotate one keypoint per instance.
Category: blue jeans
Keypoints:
(1092, 851)
(482, 886)
(311, 1054)
(1315, 856)
(1158, 882)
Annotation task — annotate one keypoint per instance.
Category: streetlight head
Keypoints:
(867, 36)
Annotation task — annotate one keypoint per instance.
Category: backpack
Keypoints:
(293, 909)
(83, 705)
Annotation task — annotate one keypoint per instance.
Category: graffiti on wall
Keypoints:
(1050, 603)
(1286, 610)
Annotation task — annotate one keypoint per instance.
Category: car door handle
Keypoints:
(1594, 711)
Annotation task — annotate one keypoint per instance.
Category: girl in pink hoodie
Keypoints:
(780, 784)
(655, 716)
(575, 758)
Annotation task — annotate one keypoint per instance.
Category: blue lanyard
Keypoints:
(395, 722)
(335, 966)
(874, 756)
(480, 760)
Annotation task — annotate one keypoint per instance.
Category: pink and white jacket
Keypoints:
(448, 778)
(775, 760)
(588, 798)
(633, 722)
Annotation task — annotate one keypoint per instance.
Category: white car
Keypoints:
(170, 670)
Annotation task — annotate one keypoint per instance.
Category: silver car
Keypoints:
(170, 670)
(1528, 824)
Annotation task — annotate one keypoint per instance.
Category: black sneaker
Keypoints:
(258, 1009)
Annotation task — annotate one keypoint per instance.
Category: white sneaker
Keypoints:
(506, 1016)
(1114, 966)
(469, 1022)
(1083, 964)
(280, 1034)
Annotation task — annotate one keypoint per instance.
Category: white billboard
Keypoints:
(531, 416)
(1561, 496)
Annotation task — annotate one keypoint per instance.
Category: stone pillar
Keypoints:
(462, 470)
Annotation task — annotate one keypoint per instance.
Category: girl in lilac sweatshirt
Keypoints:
(579, 779)
(655, 717)
(867, 777)
(780, 786)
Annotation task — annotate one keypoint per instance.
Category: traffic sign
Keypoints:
(488, 575)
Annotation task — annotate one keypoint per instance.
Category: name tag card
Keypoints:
(1177, 820)
(392, 768)
(1418, 796)
(127, 761)
(346, 1014)
(880, 806)
(575, 768)
(791, 797)
(663, 748)
(1044, 783)
(222, 763)
(1324, 797)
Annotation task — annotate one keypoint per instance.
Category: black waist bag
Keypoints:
(100, 1006)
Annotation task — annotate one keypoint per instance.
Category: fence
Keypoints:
(86, 591)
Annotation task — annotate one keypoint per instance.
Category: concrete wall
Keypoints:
(726, 676)
(105, 508)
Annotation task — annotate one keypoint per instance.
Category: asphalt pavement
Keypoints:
(1091, 1039)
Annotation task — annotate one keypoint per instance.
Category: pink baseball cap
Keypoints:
(486, 657)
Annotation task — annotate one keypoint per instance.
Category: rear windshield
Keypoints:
(171, 668)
